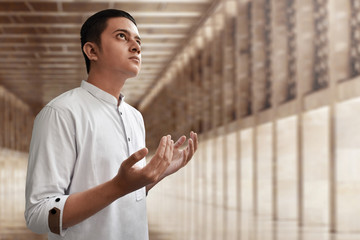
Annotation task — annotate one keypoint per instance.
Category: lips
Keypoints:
(135, 58)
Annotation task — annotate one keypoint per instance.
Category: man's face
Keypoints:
(120, 51)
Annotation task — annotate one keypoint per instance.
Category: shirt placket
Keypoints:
(126, 130)
(140, 193)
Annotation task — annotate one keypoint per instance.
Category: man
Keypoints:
(87, 176)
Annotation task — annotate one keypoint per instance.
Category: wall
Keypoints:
(16, 121)
(272, 87)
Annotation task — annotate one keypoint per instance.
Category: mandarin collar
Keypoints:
(101, 94)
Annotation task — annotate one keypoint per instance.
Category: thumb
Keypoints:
(135, 157)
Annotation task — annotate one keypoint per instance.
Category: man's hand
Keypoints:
(182, 157)
(179, 157)
(131, 177)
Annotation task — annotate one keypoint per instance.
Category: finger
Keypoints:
(180, 142)
(196, 142)
(135, 157)
(164, 162)
(171, 150)
(162, 146)
(168, 149)
(191, 149)
(159, 154)
(186, 154)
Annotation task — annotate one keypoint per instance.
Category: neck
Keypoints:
(107, 82)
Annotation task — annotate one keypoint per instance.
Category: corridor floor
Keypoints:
(250, 228)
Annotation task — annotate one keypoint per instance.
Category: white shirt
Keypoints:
(79, 141)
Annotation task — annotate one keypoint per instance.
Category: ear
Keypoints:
(91, 50)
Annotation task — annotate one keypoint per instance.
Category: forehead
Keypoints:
(116, 23)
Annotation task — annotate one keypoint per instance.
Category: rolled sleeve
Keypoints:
(51, 161)
(46, 215)
(55, 214)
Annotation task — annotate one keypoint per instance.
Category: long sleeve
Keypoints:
(52, 158)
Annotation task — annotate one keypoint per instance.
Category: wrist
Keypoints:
(118, 187)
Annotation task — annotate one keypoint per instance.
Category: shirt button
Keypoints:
(121, 113)
(57, 200)
(129, 139)
(53, 211)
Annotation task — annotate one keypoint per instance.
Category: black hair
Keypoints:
(95, 25)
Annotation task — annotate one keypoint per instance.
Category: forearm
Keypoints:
(151, 185)
(82, 205)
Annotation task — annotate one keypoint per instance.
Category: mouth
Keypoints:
(136, 59)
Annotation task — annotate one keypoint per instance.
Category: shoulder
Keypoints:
(67, 100)
(64, 105)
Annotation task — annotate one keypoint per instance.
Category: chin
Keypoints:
(135, 72)
(130, 73)
(133, 75)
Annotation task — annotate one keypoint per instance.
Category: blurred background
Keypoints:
(272, 87)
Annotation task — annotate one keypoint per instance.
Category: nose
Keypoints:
(135, 47)
(137, 50)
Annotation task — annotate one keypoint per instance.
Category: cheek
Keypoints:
(114, 50)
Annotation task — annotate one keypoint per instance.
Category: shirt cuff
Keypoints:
(56, 210)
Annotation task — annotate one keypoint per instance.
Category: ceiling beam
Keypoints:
(122, 1)
(135, 14)
(75, 25)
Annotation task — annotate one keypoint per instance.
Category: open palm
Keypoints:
(182, 156)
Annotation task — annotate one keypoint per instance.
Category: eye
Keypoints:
(139, 42)
(121, 35)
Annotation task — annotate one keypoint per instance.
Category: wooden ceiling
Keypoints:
(40, 54)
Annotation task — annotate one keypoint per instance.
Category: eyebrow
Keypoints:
(127, 32)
